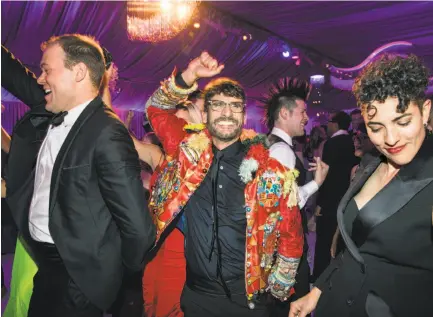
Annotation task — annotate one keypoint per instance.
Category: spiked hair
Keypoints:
(283, 93)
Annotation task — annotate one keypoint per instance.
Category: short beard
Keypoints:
(224, 137)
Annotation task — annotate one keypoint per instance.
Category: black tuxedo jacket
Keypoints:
(339, 154)
(387, 268)
(99, 219)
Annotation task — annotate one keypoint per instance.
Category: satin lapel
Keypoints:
(345, 227)
(94, 105)
(394, 196)
(411, 179)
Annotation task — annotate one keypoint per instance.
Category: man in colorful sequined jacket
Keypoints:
(243, 232)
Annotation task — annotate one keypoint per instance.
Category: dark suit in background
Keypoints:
(338, 153)
(99, 219)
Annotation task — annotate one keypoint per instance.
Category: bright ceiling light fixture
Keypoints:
(157, 21)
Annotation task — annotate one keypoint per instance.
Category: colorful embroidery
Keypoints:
(194, 127)
(167, 181)
(282, 277)
(291, 187)
(194, 146)
(269, 189)
(198, 142)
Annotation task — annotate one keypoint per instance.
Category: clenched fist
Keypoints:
(204, 66)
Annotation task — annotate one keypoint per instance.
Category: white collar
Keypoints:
(280, 133)
(74, 113)
(340, 132)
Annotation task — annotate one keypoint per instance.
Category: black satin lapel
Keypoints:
(394, 196)
(37, 121)
(345, 226)
(411, 179)
(58, 164)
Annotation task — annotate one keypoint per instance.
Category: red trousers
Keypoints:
(164, 277)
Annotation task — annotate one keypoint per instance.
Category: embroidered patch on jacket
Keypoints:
(194, 147)
(167, 181)
(269, 189)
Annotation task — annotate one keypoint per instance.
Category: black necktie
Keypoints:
(58, 118)
(215, 238)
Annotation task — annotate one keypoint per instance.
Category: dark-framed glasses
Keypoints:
(219, 105)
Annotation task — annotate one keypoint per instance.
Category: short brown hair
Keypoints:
(81, 49)
(224, 86)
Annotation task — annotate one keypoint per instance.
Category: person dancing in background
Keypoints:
(366, 152)
(164, 275)
(385, 218)
(23, 267)
(338, 153)
(286, 117)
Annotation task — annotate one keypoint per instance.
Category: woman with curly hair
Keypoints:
(385, 217)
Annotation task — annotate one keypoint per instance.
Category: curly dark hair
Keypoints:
(392, 76)
(283, 93)
(225, 86)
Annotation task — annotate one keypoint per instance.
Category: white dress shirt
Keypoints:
(284, 154)
(39, 207)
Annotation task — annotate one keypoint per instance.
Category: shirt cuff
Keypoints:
(306, 191)
(180, 82)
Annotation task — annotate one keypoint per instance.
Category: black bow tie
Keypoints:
(58, 118)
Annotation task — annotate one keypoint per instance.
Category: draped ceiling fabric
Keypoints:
(338, 33)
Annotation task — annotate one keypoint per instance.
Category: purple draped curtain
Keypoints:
(339, 33)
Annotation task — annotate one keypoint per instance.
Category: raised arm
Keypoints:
(283, 154)
(160, 107)
(148, 153)
(20, 81)
(161, 112)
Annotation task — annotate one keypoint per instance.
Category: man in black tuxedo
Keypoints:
(339, 154)
(73, 181)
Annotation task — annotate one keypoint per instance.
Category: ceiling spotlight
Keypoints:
(196, 25)
(317, 79)
(286, 54)
(247, 37)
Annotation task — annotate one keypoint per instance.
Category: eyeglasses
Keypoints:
(218, 105)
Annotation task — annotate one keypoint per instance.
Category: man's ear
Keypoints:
(204, 117)
(81, 72)
(284, 113)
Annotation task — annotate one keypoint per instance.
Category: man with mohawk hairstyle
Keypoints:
(286, 117)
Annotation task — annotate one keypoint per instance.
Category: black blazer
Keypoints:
(99, 218)
(389, 270)
(339, 154)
